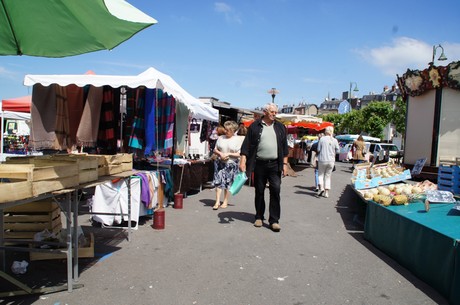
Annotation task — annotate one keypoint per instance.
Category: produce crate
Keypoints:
(24, 221)
(87, 165)
(21, 181)
(114, 164)
(85, 251)
(449, 178)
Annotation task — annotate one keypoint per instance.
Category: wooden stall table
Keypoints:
(68, 205)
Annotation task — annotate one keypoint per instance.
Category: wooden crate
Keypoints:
(30, 180)
(114, 164)
(83, 252)
(24, 221)
(87, 166)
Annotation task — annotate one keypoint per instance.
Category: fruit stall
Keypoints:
(415, 223)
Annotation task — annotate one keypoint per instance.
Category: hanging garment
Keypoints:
(106, 139)
(136, 139)
(43, 117)
(75, 101)
(112, 197)
(165, 117)
(130, 114)
(89, 123)
(62, 129)
(150, 121)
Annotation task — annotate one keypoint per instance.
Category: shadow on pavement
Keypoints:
(229, 216)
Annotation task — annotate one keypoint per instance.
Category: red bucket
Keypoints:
(159, 219)
(178, 200)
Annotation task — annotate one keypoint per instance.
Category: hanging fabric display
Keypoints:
(89, 123)
(194, 126)
(75, 101)
(166, 110)
(107, 141)
(136, 140)
(150, 121)
(62, 119)
(43, 114)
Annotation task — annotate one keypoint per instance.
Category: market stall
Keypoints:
(15, 117)
(431, 94)
(413, 222)
(152, 103)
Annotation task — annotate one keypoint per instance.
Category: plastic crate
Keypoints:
(453, 189)
(449, 178)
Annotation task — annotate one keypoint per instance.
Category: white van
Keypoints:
(384, 151)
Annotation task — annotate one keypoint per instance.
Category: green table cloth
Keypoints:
(426, 243)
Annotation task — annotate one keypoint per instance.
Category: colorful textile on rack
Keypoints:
(136, 139)
(169, 138)
(145, 188)
(168, 190)
(62, 129)
(150, 121)
(166, 109)
(89, 123)
(106, 139)
(129, 117)
(75, 102)
(43, 117)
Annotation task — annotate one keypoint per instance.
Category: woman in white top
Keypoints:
(227, 149)
(328, 147)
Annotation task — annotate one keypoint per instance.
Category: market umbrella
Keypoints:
(59, 28)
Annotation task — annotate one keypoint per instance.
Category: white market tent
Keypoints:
(150, 78)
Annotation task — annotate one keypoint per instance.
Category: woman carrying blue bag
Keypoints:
(227, 149)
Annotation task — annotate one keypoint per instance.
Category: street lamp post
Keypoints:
(441, 57)
(355, 89)
(273, 92)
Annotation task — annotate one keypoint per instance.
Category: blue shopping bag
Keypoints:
(238, 183)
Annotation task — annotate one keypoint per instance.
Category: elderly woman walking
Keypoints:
(328, 147)
(227, 149)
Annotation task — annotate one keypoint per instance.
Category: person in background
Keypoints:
(242, 130)
(314, 160)
(265, 152)
(226, 165)
(359, 148)
(328, 147)
(216, 132)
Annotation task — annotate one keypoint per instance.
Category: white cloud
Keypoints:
(230, 14)
(407, 53)
(7, 74)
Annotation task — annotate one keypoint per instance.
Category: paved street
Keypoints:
(208, 257)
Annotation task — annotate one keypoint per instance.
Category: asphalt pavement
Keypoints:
(208, 257)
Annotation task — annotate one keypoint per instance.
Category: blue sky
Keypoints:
(237, 50)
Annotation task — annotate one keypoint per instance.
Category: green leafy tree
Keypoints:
(352, 122)
(398, 117)
(375, 117)
(333, 118)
